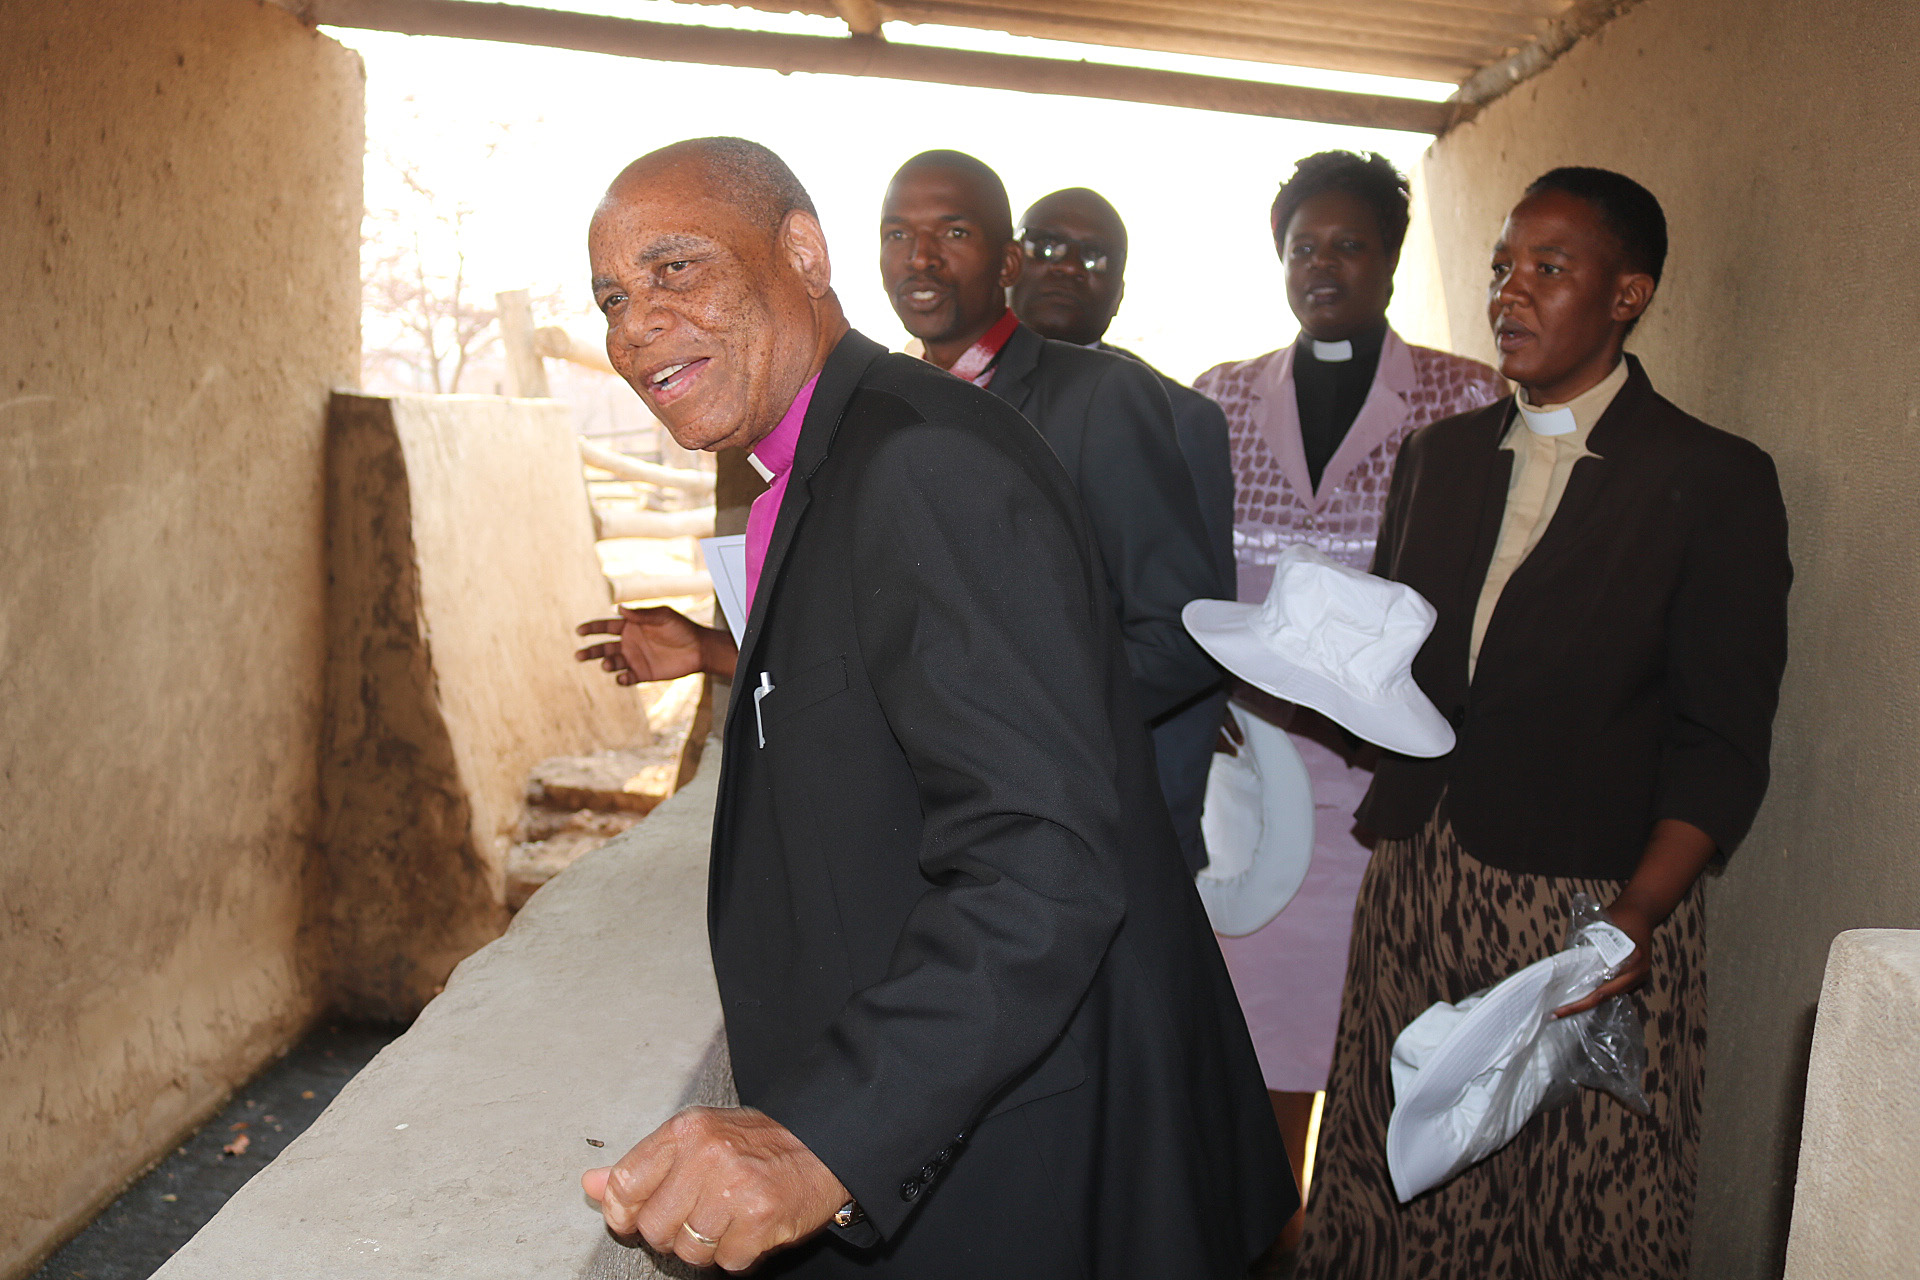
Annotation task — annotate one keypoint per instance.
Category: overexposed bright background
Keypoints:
(526, 139)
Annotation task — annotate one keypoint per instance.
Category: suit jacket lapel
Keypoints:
(1012, 378)
(839, 378)
(1383, 414)
(1483, 504)
(1279, 419)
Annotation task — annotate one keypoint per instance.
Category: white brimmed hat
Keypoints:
(1334, 639)
(1258, 825)
(1467, 1076)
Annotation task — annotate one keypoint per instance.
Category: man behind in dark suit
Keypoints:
(977, 1020)
(947, 258)
(1069, 289)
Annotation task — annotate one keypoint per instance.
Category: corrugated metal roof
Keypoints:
(1445, 40)
(1484, 47)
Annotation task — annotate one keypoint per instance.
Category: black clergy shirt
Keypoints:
(1330, 395)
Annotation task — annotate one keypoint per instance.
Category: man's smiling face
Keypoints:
(707, 319)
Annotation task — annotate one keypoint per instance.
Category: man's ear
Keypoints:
(1632, 296)
(805, 245)
(1012, 259)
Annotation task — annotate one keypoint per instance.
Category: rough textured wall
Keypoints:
(1859, 1165)
(461, 555)
(179, 229)
(1781, 136)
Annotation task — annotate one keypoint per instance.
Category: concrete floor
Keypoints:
(160, 1212)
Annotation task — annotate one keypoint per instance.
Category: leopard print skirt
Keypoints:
(1588, 1190)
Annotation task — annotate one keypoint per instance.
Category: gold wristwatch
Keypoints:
(848, 1215)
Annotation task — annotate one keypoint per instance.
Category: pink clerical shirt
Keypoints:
(774, 454)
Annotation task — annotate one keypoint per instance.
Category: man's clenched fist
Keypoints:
(717, 1187)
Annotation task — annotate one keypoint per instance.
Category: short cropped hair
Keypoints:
(999, 207)
(1370, 177)
(757, 181)
(1628, 209)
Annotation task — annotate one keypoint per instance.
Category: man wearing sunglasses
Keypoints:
(947, 257)
(1069, 288)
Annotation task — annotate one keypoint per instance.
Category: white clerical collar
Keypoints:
(1556, 421)
(1583, 410)
(1332, 352)
(766, 472)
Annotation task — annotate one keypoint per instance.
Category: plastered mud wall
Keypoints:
(461, 554)
(1782, 137)
(179, 229)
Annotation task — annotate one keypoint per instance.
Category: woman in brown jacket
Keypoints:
(1611, 579)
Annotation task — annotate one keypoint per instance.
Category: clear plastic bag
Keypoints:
(1467, 1076)
(1610, 1039)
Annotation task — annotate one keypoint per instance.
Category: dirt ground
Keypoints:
(161, 1211)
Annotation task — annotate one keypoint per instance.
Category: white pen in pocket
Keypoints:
(759, 722)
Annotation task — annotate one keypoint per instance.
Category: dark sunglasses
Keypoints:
(1051, 249)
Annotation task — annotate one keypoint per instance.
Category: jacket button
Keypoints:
(910, 1189)
(1457, 718)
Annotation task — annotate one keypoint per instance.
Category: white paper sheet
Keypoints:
(727, 563)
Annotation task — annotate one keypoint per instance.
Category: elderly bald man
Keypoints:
(978, 1023)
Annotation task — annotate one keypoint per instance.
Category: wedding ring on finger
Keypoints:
(706, 1240)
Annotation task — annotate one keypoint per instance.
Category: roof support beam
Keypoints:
(667, 42)
(862, 17)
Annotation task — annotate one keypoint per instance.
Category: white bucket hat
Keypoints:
(1467, 1076)
(1334, 639)
(1258, 825)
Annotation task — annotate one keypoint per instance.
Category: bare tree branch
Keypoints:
(416, 312)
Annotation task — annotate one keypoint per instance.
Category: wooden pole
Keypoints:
(696, 523)
(634, 587)
(556, 343)
(863, 17)
(525, 369)
(628, 468)
(864, 56)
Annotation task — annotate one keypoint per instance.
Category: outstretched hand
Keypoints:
(717, 1187)
(657, 643)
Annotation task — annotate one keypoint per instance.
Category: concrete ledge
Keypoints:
(1856, 1207)
(457, 1152)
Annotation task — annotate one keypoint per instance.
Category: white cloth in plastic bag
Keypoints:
(1467, 1076)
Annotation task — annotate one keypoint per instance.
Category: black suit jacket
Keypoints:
(958, 955)
(1631, 667)
(1110, 424)
(1183, 739)
(1201, 425)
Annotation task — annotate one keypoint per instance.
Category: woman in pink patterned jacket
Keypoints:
(1315, 428)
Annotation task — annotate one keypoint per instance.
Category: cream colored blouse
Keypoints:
(1546, 440)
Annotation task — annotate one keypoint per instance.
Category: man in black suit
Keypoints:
(1069, 289)
(947, 258)
(977, 1021)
